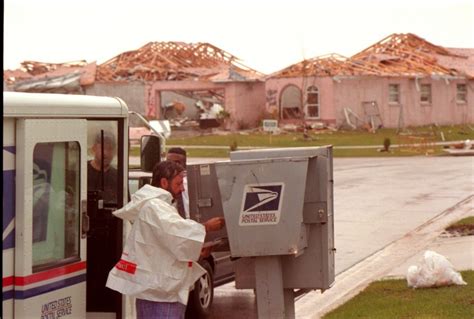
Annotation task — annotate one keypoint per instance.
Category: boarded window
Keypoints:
(461, 93)
(394, 94)
(425, 94)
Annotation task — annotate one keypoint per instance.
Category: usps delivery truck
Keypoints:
(59, 240)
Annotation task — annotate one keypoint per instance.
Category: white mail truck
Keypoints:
(60, 239)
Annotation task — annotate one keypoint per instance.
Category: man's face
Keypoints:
(108, 154)
(175, 186)
(177, 158)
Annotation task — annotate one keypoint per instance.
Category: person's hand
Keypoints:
(214, 224)
(205, 252)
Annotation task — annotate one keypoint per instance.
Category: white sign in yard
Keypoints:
(270, 125)
(261, 204)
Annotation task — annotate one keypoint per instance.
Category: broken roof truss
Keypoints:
(396, 55)
(160, 61)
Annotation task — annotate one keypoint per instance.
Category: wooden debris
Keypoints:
(30, 70)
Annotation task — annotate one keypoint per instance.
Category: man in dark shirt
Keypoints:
(94, 167)
(102, 247)
(178, 155)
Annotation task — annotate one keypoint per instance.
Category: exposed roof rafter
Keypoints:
(160, 61)
(395, 55)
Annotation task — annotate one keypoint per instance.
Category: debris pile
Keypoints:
(465, 148)
(65, 77)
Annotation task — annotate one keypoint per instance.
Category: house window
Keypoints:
(290, 102)
(461, 93)
(394, 94)
(425, 94)
(312, 102)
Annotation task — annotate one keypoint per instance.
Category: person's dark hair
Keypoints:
(165, 169)
(177, 150)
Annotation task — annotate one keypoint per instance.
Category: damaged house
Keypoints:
(161, 80)
(403, 80)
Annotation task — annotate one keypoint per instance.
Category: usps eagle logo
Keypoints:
(261, 204)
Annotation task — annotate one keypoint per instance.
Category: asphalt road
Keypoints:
(376, 202)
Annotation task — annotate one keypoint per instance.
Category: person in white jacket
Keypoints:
(159, 265)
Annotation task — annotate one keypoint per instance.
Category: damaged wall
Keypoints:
(443, 109)
(275, 88)
(132, 93)
(154, 90)
(246, 104)
(244, 101)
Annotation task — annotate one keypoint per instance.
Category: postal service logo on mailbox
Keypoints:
(261, 204)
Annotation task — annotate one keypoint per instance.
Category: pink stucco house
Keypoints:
(403, 80)
(172, 80)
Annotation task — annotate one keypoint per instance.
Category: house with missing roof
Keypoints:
(401, 81)
(161, 80)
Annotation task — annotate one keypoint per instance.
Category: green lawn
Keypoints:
(194, 152)
(464, 222)
(424, 135)
(326, 137)
(393, 299)
(463, 227)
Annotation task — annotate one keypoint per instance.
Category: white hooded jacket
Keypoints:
(158, 262)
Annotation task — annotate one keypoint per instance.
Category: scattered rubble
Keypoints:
(43, 77)
(465, 148)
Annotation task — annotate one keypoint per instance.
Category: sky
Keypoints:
(265, 35)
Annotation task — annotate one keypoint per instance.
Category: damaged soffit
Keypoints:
(395, 55)
(176, 61)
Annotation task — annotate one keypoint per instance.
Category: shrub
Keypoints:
(233, 146)
(386, 144)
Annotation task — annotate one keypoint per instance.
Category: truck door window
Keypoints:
(102, 139)
(56, 204)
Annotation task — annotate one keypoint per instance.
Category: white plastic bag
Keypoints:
(434, 271)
